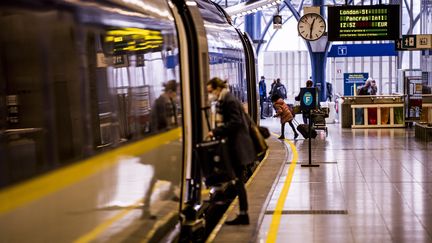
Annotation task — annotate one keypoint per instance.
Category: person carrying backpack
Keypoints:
(279, 89)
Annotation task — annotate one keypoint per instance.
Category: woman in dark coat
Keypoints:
(240, 145)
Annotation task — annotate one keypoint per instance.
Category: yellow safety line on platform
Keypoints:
(106, 224)
(217, 228)
(26, 192)
(158, 225)
(274, 225)
(93, 234)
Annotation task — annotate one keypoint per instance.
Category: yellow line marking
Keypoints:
(274, 226)
(106, 224)
(34, 189)
(216, 229)
(157, 225)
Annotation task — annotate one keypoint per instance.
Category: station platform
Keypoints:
(372, 185)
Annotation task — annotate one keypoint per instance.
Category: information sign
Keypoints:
(361, 23)
(414, 42)
(308, 99)
(424, 41)
(409, 41)
(398, 45)
(352, 81)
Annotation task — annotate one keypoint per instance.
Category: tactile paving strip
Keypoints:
(309, 212)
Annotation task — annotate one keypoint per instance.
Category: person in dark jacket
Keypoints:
(309, 84)
(279, 89)
(272, 87)
(164, 110)
(262, 94)
(235, 129)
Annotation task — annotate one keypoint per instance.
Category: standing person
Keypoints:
(272, 87)
(279, 89)
(283, 112)
(329, 91)
(164, 110)
(262, 93)
(309, 84)
(163, 117)
(235, 129)
(365, 89)
(373, 88)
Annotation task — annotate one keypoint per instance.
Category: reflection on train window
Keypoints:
(143, 66)
(68, 90)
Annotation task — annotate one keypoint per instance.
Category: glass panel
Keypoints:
(424, 115)
(359, 116)
(398, 115)
(385, 115)
(372, 116)
(73, 90)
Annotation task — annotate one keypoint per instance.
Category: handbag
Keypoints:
(215, 162)
(214, 159)
(257, 137)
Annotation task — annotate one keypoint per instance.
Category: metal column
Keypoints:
(319, 62)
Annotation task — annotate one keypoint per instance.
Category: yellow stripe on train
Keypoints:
(34, 189)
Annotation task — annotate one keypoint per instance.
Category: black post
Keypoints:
(310, 142)
(310, 138)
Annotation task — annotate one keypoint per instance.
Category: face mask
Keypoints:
(212, 97)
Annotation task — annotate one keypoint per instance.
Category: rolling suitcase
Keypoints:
(304, 130)
(268, 109)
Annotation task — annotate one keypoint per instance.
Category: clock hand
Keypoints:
(311, 28)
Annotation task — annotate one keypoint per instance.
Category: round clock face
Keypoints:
(311, 26)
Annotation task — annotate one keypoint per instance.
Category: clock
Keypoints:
(311, 26)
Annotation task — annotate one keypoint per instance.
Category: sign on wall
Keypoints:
(352, 81)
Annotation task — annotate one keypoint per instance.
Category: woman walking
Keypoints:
(283, 112)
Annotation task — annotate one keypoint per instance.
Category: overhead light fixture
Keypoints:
(251, 6)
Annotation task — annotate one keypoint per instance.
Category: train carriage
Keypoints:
(101, 106)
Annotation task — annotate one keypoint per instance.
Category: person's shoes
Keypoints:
(296, 136)
(241, 219)
(281, 137)
(262, 117)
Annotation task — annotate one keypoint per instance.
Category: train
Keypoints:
(103, 103)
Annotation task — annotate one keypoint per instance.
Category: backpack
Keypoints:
(281, 91)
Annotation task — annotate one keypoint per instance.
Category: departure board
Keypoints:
(362, 23)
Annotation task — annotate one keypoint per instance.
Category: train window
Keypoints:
(144, 80)
(40, 128)
(69, 89)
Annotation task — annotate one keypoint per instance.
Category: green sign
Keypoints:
(415, 42)
(408, 41)
(361, 23)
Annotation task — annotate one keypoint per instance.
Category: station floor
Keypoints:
(372, 185)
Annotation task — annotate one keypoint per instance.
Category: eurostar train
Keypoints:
(102, 103)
